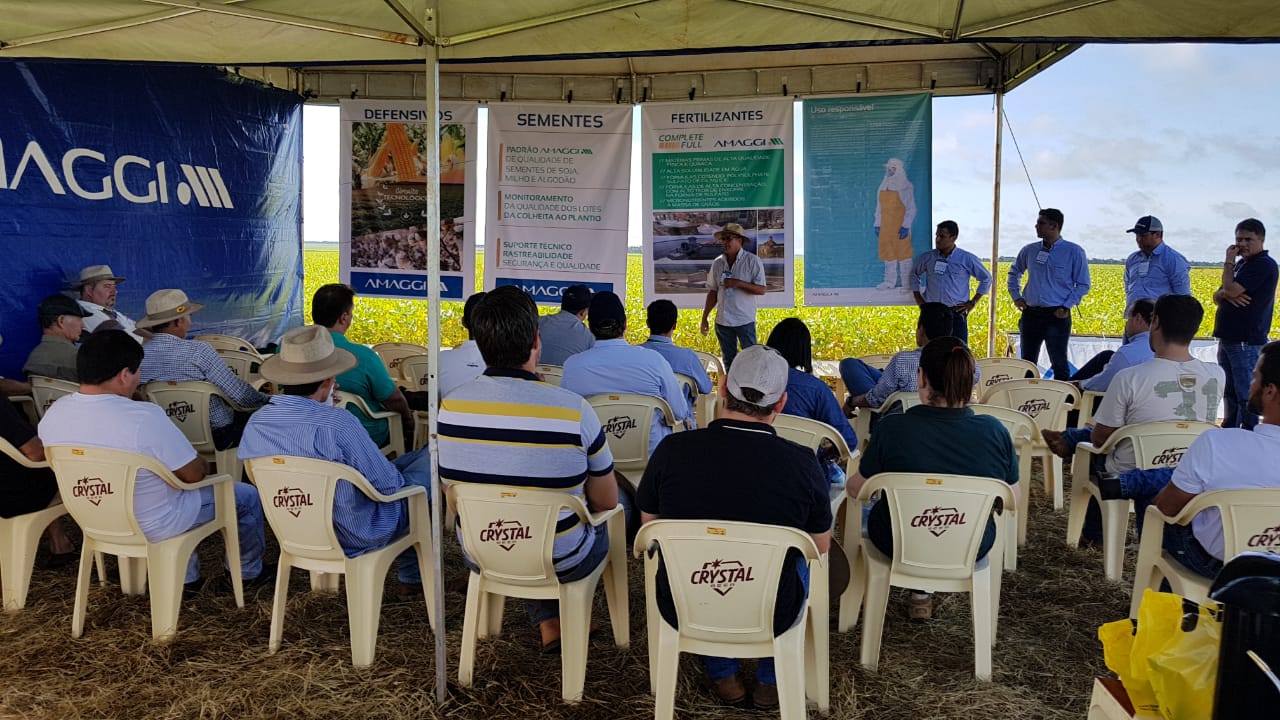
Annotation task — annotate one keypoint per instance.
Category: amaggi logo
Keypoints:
(131, 177)
(721, 575)
(1034, 406)
(91, 489)
(1268, 540)
(291, 500)
(619, 425)
(179, 410)
(748, 142)
(1169, 456)
(938, 520)
(506, 533)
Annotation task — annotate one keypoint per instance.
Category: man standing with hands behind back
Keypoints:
(735, 279)
(1057, 280)
(1245, 302)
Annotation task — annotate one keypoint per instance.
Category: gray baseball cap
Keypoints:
(760, 368)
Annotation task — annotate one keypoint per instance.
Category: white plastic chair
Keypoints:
(1088, 399)
(705, 405)
(297, 498)
(393, 354)
(551, 374)
(187, 405)
(1155, 445)
(994, 370)
(1021, 429)
(509, 533)
(810, 433)
(862, 418)
(395, 430)
(97, 487)
(46, 390)
(1247, 515)
(226, 342)
(938, 523)
(414, 370)
(244, 363)
(728, 612)
(625, 419)
(712, 364)
(1047, 402)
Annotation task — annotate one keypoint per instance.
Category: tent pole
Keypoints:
(995, 214)
(432, 152)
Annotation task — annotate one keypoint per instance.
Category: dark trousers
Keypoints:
(228, 436)
(960, 327)
(1094, 366)
(1038, 325)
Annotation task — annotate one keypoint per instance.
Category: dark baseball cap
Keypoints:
(606, 307)
(57, 305)
(575, 298)
(1146, 224)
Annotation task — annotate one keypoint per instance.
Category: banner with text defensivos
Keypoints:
(558, 185)
(867, 197)
(706, 165)
(383, 188)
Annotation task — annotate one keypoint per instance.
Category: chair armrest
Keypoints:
(402, 493)
(208, 481)
(597, 519)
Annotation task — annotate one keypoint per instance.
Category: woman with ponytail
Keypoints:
(941, 436)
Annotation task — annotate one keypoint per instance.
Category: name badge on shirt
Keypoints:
(1143, 268)
(940, 267)
(1042, 257)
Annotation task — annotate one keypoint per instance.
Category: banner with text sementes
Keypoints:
(383, 189)
(558, 188)
(867, 197)
(706, 165)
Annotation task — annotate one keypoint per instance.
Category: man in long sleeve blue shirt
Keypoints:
(1057, 280)
(1154, 269)
(942, 275)
(662, 317)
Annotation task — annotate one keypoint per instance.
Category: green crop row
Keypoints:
(837, 331)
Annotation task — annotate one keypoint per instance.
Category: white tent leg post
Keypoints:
(995, 214)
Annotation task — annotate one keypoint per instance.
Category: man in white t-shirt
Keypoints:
(103, 414)
(463, 363)
(1225, 459)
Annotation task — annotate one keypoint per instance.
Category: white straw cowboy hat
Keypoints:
(96, 273)
(166, 305)
(732, 229)
(306, 355)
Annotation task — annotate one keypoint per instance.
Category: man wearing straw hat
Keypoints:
(97, 286)
(171, 357)
(301, 421)
(735, 280)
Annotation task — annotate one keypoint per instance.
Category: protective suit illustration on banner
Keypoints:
(895, 211)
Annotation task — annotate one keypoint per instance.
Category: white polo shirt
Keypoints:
(735, 307)
(1227, 459)
(460, 365)
(117, 423)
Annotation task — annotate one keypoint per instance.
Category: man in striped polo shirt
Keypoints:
(507, 427)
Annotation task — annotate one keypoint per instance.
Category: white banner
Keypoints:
(558, 183)
(383, 238)
(706, 165)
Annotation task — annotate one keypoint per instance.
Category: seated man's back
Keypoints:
(1157, 390)
(563, 334)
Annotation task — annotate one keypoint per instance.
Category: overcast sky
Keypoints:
(1113, 132)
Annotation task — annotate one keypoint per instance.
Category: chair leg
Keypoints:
(852, 598)
(817, 647)
(495, 605)
(166, 593)
(426, 570)
(471, 624)
(981, 600)
(1055, 467)
(666, 670)
(575, 627)
(280, 601)
(1011, 539)
(790, 675)
(364, 608)
(1115, 528)
(877, 602)
(101, 564)
(1079, 508)
(615, 583)
(133, 575)
(87, 551)
(17, 558)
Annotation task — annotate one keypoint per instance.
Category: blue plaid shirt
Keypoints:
(174, 359)
(299, 426)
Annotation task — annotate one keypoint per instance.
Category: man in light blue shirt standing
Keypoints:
(662, 316)
(735, 280)
(563, 333)
(616, 366)
(1154, 269)
(942, 275)
(1057, 280)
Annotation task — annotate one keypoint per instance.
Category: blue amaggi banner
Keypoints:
(383, 206)
(867, 195)
(176, 177)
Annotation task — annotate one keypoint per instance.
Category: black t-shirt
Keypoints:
(738, 471)
(14, 428)
(22, 489)
(1251, 323)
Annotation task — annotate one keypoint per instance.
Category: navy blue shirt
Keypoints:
(1249, 324)
(809, 397)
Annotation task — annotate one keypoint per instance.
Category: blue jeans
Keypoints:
(542, 610)
(858, 376)
(731, 337)
(1180, 542)
(1040, 325)
(415, 468)
(718, 667)
(249, 527)
(1237, 361)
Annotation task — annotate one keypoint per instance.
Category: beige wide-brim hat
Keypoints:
(96, 273)
(306, 355)
(166, 305)
(732, 229)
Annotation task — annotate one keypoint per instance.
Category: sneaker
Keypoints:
(920, 606)
(1053, 438)
(764, 696)
(729, 690)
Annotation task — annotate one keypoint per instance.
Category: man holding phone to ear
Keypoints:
(1245, 303)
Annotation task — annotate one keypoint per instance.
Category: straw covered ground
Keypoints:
(218, 666)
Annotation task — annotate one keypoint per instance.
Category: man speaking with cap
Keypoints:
(301, 421)
(738, 469)
(1154, 269)
(62, 323)
(735, 279)
(97, 286)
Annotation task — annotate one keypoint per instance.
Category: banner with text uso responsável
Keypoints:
(867, 196)
(176, 177)
(383, 207)
(559, 182)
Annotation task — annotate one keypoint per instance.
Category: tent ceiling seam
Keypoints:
(534, 22)
(294, 20)
(955, 26)
(121, 24)
(1061, 8)
(849, 17)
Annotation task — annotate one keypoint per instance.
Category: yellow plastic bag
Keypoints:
(1183, 673)
(1117, 652)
